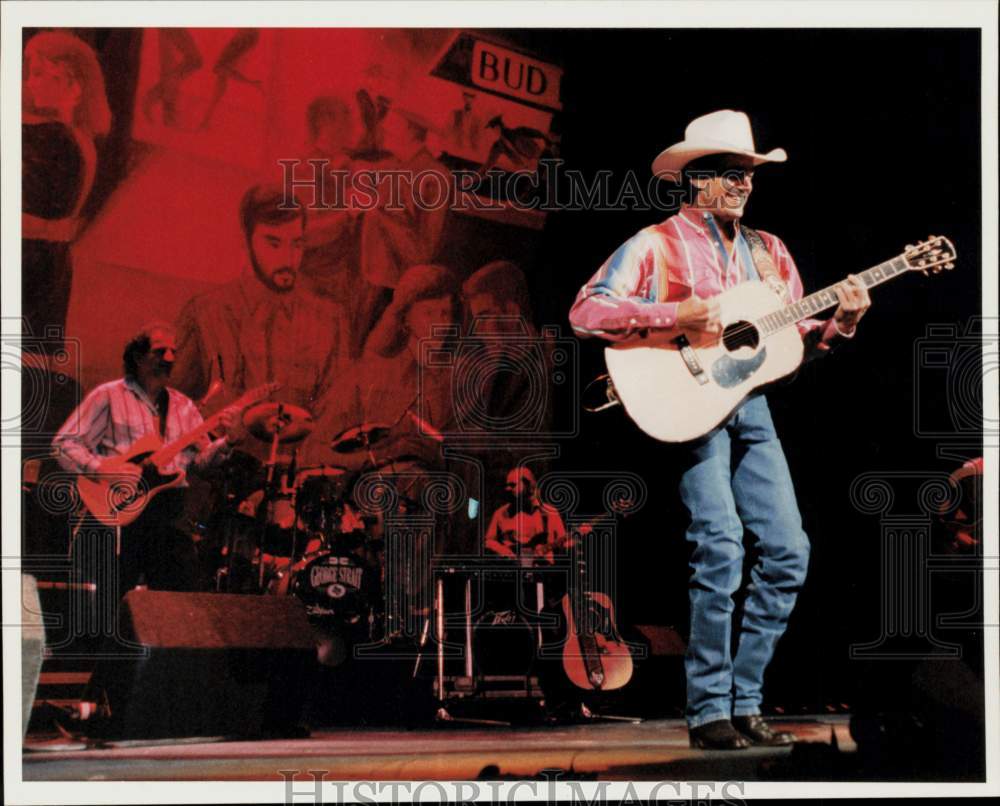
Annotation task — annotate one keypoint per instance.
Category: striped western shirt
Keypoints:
(642, 283)
(115, 415)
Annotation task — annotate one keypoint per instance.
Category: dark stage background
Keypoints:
(882, 131)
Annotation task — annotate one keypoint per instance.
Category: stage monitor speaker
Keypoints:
(211, 664)
(658, 684)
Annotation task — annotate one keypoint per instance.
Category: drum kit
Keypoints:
(298, 531)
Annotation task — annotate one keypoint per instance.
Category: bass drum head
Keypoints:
(331, 585)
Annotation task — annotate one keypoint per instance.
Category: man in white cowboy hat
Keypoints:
(665, 278)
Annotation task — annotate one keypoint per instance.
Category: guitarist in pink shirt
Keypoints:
(116, 415)
(663, 281)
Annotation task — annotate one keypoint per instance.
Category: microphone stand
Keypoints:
(272, 461)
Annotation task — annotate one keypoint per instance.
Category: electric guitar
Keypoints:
(594, 656)
(120, 491)
(679, 388)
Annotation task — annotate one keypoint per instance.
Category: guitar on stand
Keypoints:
(594, 656)
(676, 389)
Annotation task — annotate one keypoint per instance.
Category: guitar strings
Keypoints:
(866, 275)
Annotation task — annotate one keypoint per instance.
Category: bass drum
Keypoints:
(330, 585)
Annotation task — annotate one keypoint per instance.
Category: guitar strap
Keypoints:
(764, 264)
(163, 409)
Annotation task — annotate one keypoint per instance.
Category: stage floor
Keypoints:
(651, 750)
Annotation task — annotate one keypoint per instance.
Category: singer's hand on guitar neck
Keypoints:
(854, 301)
(699, 314)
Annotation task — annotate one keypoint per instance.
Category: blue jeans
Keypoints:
(738, 479)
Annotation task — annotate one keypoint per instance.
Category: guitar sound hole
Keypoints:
(740, 334)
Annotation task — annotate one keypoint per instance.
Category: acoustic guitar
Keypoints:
(120, 491)
(679, 388)
(594, 656)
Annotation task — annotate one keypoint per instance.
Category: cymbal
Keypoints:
(328, 471)
(360, 437)
(404, 463)
(290, 423)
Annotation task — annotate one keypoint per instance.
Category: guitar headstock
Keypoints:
(931, 256)
(258, 393)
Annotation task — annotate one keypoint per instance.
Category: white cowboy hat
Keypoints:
(722, 132)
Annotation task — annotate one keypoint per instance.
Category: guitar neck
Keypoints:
(827, 298)
(584, 628)
(165, 454)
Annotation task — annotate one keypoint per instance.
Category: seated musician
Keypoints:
(525, 528)
(529, 534)
(116, 415)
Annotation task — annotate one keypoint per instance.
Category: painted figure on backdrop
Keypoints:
(512, 363)
(390, 374)
(500, 311)
(330, 262)
(660, 282)
(406, 228)
(228, 67)
(64, 109)
(466, 126)
(179, 58)
(264, 326)
(515, 146)
(109, 423)
(374, 102)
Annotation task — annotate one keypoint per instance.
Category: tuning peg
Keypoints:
(910, 247)
(949, 266)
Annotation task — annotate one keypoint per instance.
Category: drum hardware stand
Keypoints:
(290, 475)
(229, 497)
(467, 682)
(589, 716)
(272, 461)
(539, 606)
(425, 630)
